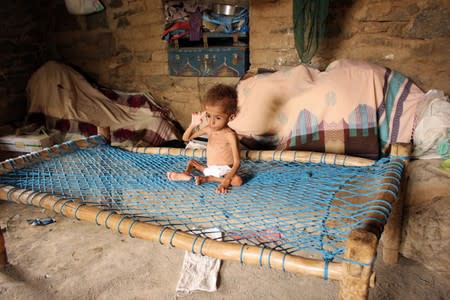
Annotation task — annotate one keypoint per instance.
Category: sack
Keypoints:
(83, 7)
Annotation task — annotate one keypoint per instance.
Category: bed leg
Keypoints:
(357, 277)
(3, 257)
(392, 234)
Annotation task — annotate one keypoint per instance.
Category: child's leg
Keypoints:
(178, 176)
(235, 181)
(202, 179)
(186, 175)
(193, 164)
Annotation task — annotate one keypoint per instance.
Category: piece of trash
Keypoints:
(44, 221)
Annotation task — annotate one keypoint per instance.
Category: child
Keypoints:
(222, 151)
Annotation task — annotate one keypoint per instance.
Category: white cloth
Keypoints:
(83, 7)
(199, 272)
(216, 171)
(433, 126)
(196, 145)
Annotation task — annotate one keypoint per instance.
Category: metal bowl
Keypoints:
(227, 9)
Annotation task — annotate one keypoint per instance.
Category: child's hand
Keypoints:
(197, 118)
(222, 188)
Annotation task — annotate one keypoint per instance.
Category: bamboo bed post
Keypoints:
(357, 277)
(3, 256)
(392, 234)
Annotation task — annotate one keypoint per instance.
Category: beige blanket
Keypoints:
(70, 103)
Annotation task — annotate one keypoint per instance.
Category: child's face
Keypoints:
(217, 117)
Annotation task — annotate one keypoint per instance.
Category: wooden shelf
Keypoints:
(219, 35)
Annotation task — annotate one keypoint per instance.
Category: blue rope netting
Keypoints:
(287, 206)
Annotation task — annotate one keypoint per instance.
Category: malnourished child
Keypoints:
(222, 150)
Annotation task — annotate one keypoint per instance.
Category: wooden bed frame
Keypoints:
(361, 245)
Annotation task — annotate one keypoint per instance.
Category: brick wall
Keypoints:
(121, 47)
(412, 37)
(23, 48)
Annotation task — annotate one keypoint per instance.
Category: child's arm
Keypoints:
(189, 134)
(234, 143)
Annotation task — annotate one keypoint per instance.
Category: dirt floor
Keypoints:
(70, 259)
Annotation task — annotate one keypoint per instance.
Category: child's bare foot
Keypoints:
(175, 176)
(200, 179)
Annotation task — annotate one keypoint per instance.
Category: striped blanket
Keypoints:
(352, 107)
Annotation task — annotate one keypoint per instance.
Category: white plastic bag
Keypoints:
(83, 7)
(433, 123)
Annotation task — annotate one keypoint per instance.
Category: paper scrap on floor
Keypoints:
(199, 273)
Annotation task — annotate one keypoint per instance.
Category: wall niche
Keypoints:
(207, 38)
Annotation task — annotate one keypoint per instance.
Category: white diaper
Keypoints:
(216, 171)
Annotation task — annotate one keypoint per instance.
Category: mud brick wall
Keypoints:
(23, 48)
(121, 47)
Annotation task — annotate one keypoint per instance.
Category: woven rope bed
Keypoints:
(302, 212)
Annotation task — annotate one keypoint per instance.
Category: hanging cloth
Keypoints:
(309, 18)
(195, 25)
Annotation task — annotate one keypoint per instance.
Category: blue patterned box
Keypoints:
(229, 61)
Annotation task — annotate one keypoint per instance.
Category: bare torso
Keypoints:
(219, 149)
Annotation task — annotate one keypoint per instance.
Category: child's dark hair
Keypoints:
(224, 95)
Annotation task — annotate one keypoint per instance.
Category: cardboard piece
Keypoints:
(29, 143)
